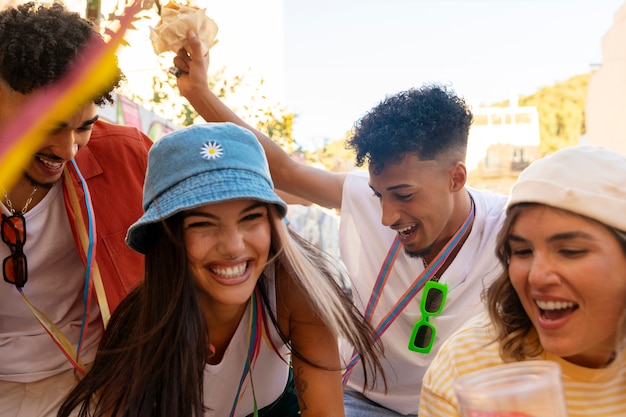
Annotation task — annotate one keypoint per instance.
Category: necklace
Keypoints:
(435, 276)
(9, 204)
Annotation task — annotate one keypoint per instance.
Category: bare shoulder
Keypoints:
(293, 303)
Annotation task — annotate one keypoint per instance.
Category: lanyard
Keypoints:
(258, 330)
(254, 343)
(88, 247)
(93, 279)
(427, 274)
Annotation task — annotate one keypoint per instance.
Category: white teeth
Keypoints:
(405, 229)
(51, 165)
(554, 305)
(231, 272)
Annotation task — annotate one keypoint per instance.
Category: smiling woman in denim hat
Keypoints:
(231, 297)
(562, 296)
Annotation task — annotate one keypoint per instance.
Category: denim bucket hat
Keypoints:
(198, 165)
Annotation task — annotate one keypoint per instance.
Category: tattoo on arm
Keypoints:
(301, 386)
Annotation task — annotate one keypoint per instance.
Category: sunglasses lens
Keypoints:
(433, 300)
(14, 269)
(423, 337)
(13, 230)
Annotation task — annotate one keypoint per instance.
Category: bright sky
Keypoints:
(343, 56)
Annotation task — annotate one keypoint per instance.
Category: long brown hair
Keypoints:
(151, 359)
(319, 278)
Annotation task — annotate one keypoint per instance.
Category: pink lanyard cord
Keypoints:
(426, 275)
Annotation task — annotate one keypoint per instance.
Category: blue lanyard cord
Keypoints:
(88, 255)
(255, 327)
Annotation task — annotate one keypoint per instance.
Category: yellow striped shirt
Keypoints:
(588, 392)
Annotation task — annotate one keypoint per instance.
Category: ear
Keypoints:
(4, 92)
(458, 176)
(6, 95)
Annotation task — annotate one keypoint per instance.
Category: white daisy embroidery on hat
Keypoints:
(212, 150)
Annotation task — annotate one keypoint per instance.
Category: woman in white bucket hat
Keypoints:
(562, 295)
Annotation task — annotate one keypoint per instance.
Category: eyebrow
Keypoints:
(63, 125)
(392, 188)
(557, 237)
(251, 207)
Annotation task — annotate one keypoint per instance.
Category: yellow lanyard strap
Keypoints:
(96, 280)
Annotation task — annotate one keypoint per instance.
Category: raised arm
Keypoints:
(313, 184)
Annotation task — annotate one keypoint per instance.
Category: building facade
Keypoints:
(502, 142)
(605, 109)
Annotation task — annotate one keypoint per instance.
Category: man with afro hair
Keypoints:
(66, 266)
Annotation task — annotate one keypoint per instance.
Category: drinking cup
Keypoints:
(518, 389)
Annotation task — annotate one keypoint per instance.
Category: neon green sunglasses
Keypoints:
(432, 303)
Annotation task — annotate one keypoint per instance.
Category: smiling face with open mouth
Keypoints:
(64, 137)
(417, 201)
(228, 246)
(570, 275)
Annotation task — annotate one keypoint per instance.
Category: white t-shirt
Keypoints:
(56, 277)
(364, 244)
(269, 373)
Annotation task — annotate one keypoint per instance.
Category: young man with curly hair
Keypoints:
(414, 198)
(64, 221)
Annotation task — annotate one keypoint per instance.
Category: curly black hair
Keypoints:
(38, 44)
(427, 121)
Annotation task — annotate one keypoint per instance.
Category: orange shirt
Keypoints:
(113, 164)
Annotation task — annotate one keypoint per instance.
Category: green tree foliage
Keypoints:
(334, 155)
(166, 99)
(278, 127)
(269, 117)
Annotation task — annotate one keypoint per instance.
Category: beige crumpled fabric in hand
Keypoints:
(170, 34)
